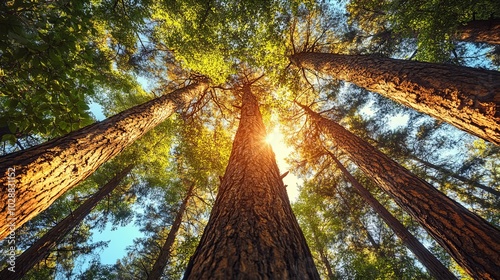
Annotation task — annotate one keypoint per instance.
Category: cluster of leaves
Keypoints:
(55, 56)
(431, 25)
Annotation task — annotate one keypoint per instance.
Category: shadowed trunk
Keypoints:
(32, 179)
(465, 97)
(42, 247)
(435, 267)
(162, 260)
(470, 240)
(456, 176)
(252, 232)
(484, 31)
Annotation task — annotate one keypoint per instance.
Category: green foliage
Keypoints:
(214, 37)
(432, 24)
(55, 56)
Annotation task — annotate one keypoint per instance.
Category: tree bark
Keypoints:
(326, 263)
(32, 179)
(252, 232)
(464, 97)
(42, 247)
(484, 31)
(162, 260)
(433, 265)
(470, 240)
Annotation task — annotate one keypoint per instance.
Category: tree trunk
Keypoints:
(456, 176)
(470, 240)
(164, 256)
(435, 267)
(326, 263)
(464, 97)
(484, 31)
(32, 179)
(252, 232)
(42, 247)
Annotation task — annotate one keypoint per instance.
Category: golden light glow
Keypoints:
(282, 151)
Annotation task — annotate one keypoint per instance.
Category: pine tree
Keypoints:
(41, 248)
(40, 175)
(252, 232)
(435, 267)
(163, 258)
(464, 97)
(469, 239)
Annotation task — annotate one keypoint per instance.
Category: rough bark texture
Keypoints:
(435, 267)
(485, 31)
(464, 97)
(470, 240)
(252, 232)
(162, 260)
(41, 248)
(44, 172)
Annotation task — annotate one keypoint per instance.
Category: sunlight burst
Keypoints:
(282, 150)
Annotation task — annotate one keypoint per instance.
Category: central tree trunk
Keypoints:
(465, 97)
(252, 232)
(31, 180)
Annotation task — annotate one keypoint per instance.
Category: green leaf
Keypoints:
(12, 127)
(82, 105)
(9, 138)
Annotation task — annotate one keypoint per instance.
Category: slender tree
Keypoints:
(32, 179)
(470, 240)
(455, 175)
(41, 248)
(164, 256)
(435, 267)
(252, 232)
(464, 97)
(485, 31)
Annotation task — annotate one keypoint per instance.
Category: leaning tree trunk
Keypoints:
(470, 240)
(464, 97)
(456, 176)
(32, 179)
(484, 31)
(41, 248)
(165, 251)
(252, 232)
(435, 267)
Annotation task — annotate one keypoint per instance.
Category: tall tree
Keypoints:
(39, 175)
(163, 258)
(485, 31)
(464, 97)
(435, 267)
(252, 231)
(42, 247)
(469, 239)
